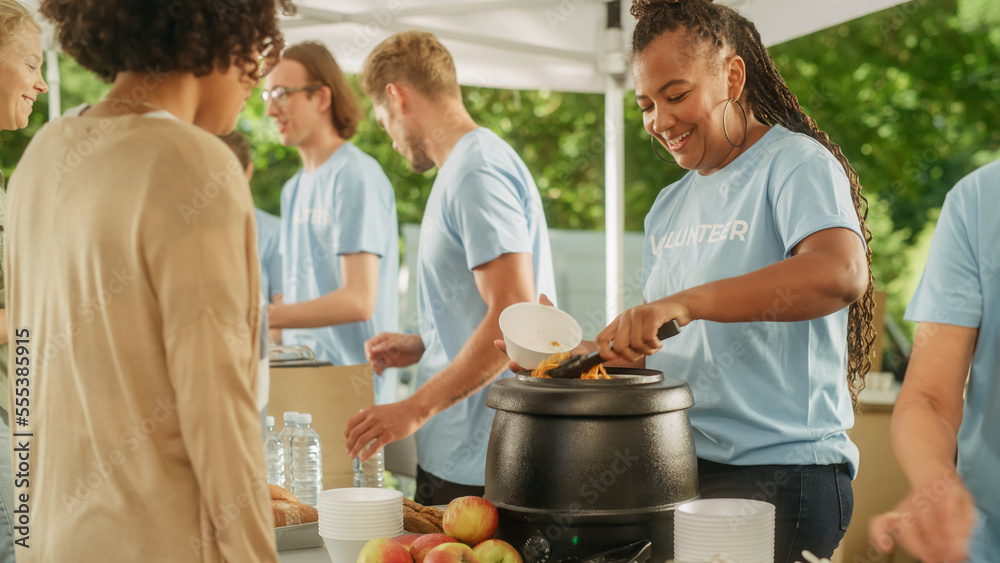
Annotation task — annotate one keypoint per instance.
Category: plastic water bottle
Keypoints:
(307, 462)
(291, 419)
(274, 455)
(369, 473)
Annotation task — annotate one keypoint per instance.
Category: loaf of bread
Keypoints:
(281, 493)
(435, 515)
(287, 509)
(420, 519)
(290, 513)
(416, 523)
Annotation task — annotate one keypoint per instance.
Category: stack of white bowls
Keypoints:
(736, 530)
(348, 518)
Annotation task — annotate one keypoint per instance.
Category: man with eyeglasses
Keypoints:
(339, 233)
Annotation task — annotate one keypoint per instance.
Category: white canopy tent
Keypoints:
(564, 45)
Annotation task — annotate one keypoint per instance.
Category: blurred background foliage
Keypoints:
(911, 94)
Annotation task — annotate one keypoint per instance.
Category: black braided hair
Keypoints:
(772, 103)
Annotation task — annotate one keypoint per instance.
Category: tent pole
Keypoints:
(52, 77)
(614, 161)
(614, 195)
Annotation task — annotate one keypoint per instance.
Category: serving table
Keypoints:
(312, 555)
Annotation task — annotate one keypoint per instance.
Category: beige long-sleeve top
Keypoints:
(132, 286)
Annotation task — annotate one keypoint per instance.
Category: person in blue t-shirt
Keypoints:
(268, 232)
(952, 512)
(268, 245)
(340, 236)
(268, 227)
(761, 252)
(483, 246)
(269, 252)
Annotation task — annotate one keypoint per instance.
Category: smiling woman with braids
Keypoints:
(761, 251)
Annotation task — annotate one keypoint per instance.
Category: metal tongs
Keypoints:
(638, 552)
(574, 367)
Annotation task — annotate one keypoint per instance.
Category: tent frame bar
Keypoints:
(318, 16)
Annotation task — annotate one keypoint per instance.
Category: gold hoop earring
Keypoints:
(652, 141)
(746, 124)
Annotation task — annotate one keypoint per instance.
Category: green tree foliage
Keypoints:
(911, 95)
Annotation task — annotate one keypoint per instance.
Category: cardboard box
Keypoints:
(332, 395)
(878, 323)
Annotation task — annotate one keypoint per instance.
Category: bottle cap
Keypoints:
(305, 418)
(269, 421)
(291, 416)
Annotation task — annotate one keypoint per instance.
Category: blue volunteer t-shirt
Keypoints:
(961, 286)
(345, 206)
(269, 253)
(765, 392)
(483, 204)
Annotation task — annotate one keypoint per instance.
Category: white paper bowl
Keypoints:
(389, 532)
(360, 495)
(533, 332)
(373, 527)
(361, 510)
(343, 551)
(361, 517)
(712, 510)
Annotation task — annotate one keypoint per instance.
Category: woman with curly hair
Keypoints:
(761, 250)
(133, 288)
(20, 84)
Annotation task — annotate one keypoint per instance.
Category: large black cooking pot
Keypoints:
(576, 467)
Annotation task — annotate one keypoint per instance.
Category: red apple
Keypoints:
(471, 520)
(496, 551)
(451, 553)
(407, 539)
(384, 550)
(425, 543)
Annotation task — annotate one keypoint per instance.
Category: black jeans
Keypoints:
(813, 503)
(434, 491)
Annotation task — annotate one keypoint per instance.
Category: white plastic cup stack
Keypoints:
(348, 518)
(724, 529)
